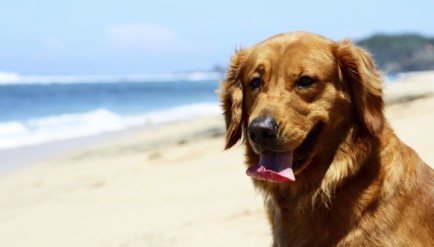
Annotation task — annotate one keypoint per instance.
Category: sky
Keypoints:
(160, 36)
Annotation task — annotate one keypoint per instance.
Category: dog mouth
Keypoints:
(280, 166)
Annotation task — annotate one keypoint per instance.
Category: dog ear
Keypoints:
(231, 95)
(358, 73)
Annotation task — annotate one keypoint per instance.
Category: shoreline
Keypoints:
(14, 158)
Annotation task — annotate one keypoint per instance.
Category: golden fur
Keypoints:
(360, 185)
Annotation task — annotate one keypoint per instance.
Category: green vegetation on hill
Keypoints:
(401, 53)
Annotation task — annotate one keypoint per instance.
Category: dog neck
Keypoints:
(320, 196)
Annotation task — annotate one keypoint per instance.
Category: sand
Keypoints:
(169, 185)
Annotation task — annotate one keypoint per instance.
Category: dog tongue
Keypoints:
(273, 167)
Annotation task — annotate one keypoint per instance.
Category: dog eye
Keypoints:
(305, 81)
(255, 83)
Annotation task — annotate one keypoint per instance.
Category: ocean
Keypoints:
(41, 109)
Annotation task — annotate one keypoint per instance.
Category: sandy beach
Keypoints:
(170, 185)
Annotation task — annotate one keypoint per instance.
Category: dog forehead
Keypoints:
(294, 37)
(294, 52)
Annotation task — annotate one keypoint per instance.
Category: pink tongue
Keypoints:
(273, 167)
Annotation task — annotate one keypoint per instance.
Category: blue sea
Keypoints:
(41, 109)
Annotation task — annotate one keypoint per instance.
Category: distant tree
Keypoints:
(218, 68)
(400, 53)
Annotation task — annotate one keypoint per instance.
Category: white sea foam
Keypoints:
(7, 78)
(68, 126)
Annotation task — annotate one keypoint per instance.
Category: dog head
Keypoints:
(292, 94)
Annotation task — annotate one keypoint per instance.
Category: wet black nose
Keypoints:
(262, 130)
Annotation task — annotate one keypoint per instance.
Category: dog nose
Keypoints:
(262, 130)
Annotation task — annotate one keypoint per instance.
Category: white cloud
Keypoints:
(145, 37)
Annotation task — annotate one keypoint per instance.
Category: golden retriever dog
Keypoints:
(317, 145)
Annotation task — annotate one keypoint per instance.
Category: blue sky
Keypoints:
(142, 37)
